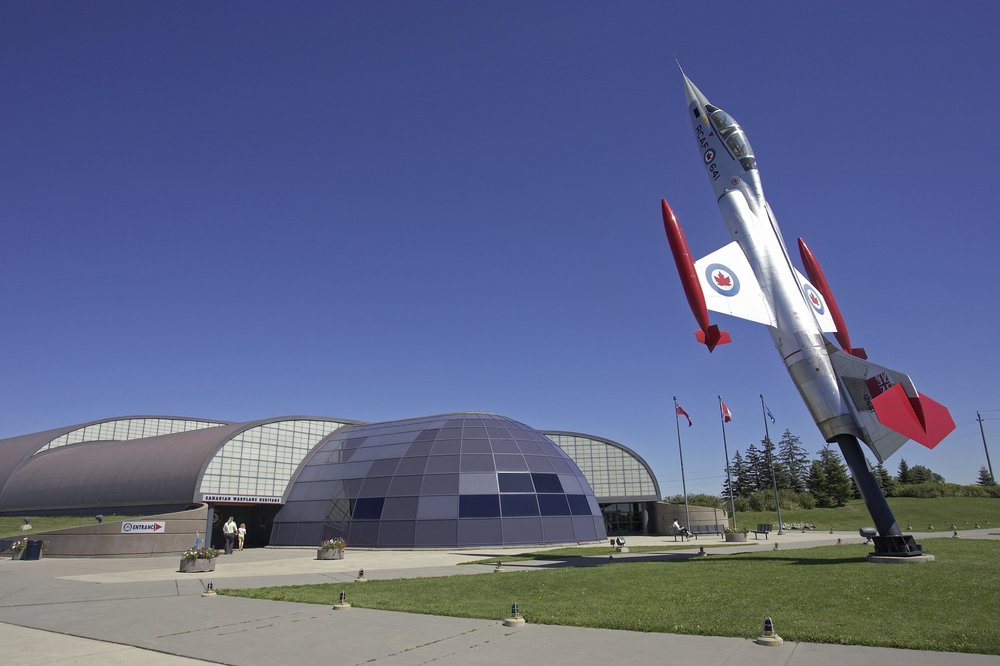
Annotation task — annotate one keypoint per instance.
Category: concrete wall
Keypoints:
(664, 515)
(107, 539)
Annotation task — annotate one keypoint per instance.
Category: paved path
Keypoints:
(110, 611)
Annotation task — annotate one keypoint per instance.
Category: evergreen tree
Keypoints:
(740, 476)
(903, 476)
(816, 483)
(758, 473)
(885, 480)
(793, 461)
(921, 474)
(837, 484)
(985, 478)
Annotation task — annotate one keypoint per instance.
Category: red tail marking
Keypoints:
(922, 419)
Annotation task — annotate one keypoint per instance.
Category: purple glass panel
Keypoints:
(363, 533)
(446, 447)
(473, 432)
(539, 464)
(399, 508)
(445, 506)
(419, 449)
(440, 484)
(584, 528)
(504, 446)
(518, 505)
(476, 446)
(403, 486)
(477, 462)
(550, 505)
(368, 508)
(515, 483)
(441, 533)
(414, 465)
(375, 487)
(561, 466)
(384, 467)
(558, 530)
(522, 530)
(510, 462)
(478, 506)
(529, 448)
(479, 532)
(477, 484)
(547, 483)
(438, 464)
(396, 533)
(570, 484)
(578, 505)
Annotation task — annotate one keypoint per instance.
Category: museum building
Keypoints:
(452, 480)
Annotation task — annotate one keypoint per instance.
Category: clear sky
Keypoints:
(380, 210)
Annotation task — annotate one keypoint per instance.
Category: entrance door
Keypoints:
(258, 519)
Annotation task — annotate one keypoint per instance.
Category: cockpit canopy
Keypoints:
(734, 137)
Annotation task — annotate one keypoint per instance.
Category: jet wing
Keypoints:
(817, 303)
(730, 286)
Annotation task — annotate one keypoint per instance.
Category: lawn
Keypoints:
(824, 595)
(940, 512)
(604, 551)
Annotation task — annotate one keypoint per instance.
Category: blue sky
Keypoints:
(382, 210)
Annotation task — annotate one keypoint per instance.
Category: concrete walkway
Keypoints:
(109, 611)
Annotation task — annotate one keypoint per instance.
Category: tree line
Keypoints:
(825, 481)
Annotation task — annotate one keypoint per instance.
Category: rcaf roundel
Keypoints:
(814, 298)
(722, 279)
(709, 155)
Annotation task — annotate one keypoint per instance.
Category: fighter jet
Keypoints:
(753, 278)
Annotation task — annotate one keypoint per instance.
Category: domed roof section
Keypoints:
(442, 481)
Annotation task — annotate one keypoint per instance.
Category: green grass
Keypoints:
(11, 525)
(941, 512)
(590, 551)
(824, 595)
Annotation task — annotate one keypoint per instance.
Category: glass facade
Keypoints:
(260, 461)
(623, 518)
(612, 470)
(442, 481)
(121, 430)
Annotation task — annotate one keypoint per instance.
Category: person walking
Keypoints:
(229, 533)
(241, 535)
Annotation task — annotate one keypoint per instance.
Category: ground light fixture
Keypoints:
(361, 577)
(342, 604)
(515, 619)
(209, 590)
(769, 637)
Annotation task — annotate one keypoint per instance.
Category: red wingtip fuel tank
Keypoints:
(815, 274)
(709, 335)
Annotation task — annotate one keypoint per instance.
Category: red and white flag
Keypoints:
(727, 415)
(680, 410)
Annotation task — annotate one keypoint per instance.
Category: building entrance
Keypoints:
(257, 517)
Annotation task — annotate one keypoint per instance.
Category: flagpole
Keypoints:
(729, 476)
(770, 461)
(677, 422)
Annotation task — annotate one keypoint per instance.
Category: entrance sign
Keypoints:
(144, 527)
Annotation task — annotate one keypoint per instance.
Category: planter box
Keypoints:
(736, 536)
(329, 554)
(194, 566)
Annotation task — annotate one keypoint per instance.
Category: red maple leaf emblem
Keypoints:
(812, 297)
(722, 279)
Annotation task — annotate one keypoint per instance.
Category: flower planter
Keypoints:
(194, 566)
(736, 536)
(329, 553)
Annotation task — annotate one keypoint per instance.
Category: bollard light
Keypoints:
(343, 596)
(515, 619)
(769, 636)
(776, 545)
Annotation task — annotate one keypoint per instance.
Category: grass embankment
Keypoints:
(11, 525)
(823, 595)
(940, 512)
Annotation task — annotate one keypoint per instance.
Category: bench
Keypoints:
(762, 528)
(707, 529)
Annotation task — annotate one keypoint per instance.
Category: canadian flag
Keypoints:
(680, 410)
(727, 415)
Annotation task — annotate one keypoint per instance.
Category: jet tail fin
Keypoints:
(920, 418)
(887, 407)
(712, 337)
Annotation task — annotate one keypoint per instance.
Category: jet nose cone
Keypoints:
(692, 93)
